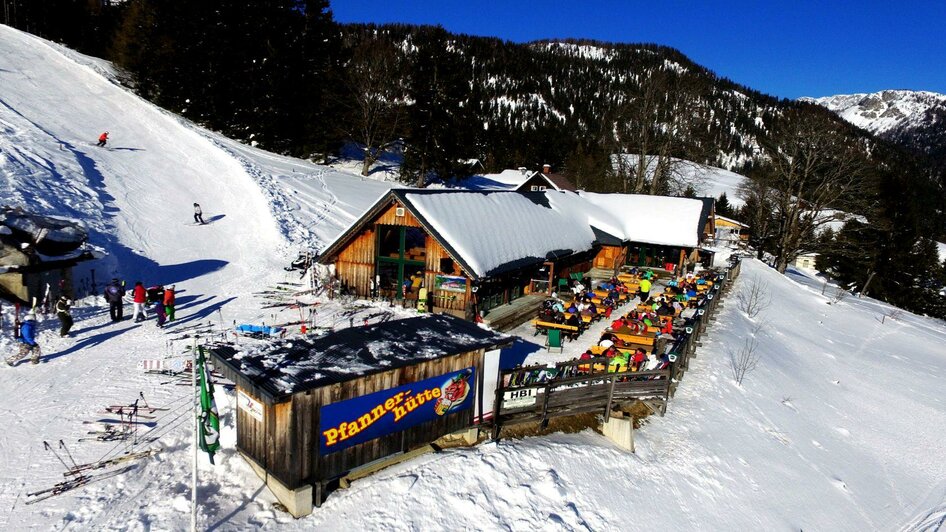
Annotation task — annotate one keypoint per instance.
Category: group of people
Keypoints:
(27, 332)
(161, 297)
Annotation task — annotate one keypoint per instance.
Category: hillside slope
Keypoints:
(841, 427)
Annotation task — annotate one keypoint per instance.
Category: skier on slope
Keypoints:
(198, 215)
(65, 318)
(103, 138)
(28, 345)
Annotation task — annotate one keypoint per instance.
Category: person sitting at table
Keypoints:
(577, 288)
(572, 307)
(651, 363)
(667, 328)
(573, 320)
(611, 352)
(618, 363)
(618, 323)
(558, 306)
(665, 309)
(591, 308)
(558, 317)
(638, 358)
(585, 368)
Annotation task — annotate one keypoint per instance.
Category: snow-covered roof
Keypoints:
(498, 231)
(658, 220)
(505, 180)
(730, 220)
(285, 368)
(491, 232)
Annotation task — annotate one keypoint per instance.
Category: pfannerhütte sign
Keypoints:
(371, 416)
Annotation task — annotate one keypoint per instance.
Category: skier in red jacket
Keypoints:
(103, 138)
(140, 296)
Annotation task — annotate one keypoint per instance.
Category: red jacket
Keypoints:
(103, 136)
(140, 296)
(168, 297)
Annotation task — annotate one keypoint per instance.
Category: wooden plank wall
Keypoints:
(310, 467)
(267, 441)
(355, 263)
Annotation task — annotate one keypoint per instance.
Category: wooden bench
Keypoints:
(569, 330)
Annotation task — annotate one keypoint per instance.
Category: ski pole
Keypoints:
(61, 461)
(64, 448)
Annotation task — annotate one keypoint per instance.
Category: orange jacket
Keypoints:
(168, 297)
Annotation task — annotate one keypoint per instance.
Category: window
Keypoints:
(535, 188)
(401, 254)
(541, 188)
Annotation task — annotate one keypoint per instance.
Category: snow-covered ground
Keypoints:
(841, 427)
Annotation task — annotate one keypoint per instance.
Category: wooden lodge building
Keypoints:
(475, 251)
(312, 411)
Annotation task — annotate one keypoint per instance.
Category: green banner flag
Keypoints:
(209, 420)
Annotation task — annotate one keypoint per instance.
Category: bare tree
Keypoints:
(374, 78)
(811, 169)
(745, 358)
(754, 298)
(838, 295)
(651, 130)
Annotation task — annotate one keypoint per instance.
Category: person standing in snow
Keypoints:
(103, 138)
(65, 318)
(198, 215)
(169, 302)
(28, 345)
(160, 313)
(139, 298)
(114, 294)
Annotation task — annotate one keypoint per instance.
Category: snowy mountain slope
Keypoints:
(882, 112)
(135, 197)
(842, 426)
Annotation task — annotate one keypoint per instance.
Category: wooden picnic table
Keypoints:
(628, 336)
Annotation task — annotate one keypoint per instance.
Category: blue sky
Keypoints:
(784, 48)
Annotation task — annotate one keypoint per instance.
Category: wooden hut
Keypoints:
(312, 411)
(472, 250)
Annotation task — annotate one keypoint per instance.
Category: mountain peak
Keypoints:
(884, 111)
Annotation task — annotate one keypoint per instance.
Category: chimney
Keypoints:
(546, 169)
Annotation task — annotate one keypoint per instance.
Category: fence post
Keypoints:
(607, 408)
(545, 407)
(497, 406)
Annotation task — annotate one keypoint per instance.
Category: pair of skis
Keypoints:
(81, 473)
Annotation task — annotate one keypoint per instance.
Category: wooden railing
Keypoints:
(538, 393)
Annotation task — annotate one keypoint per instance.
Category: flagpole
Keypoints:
(196, 436)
